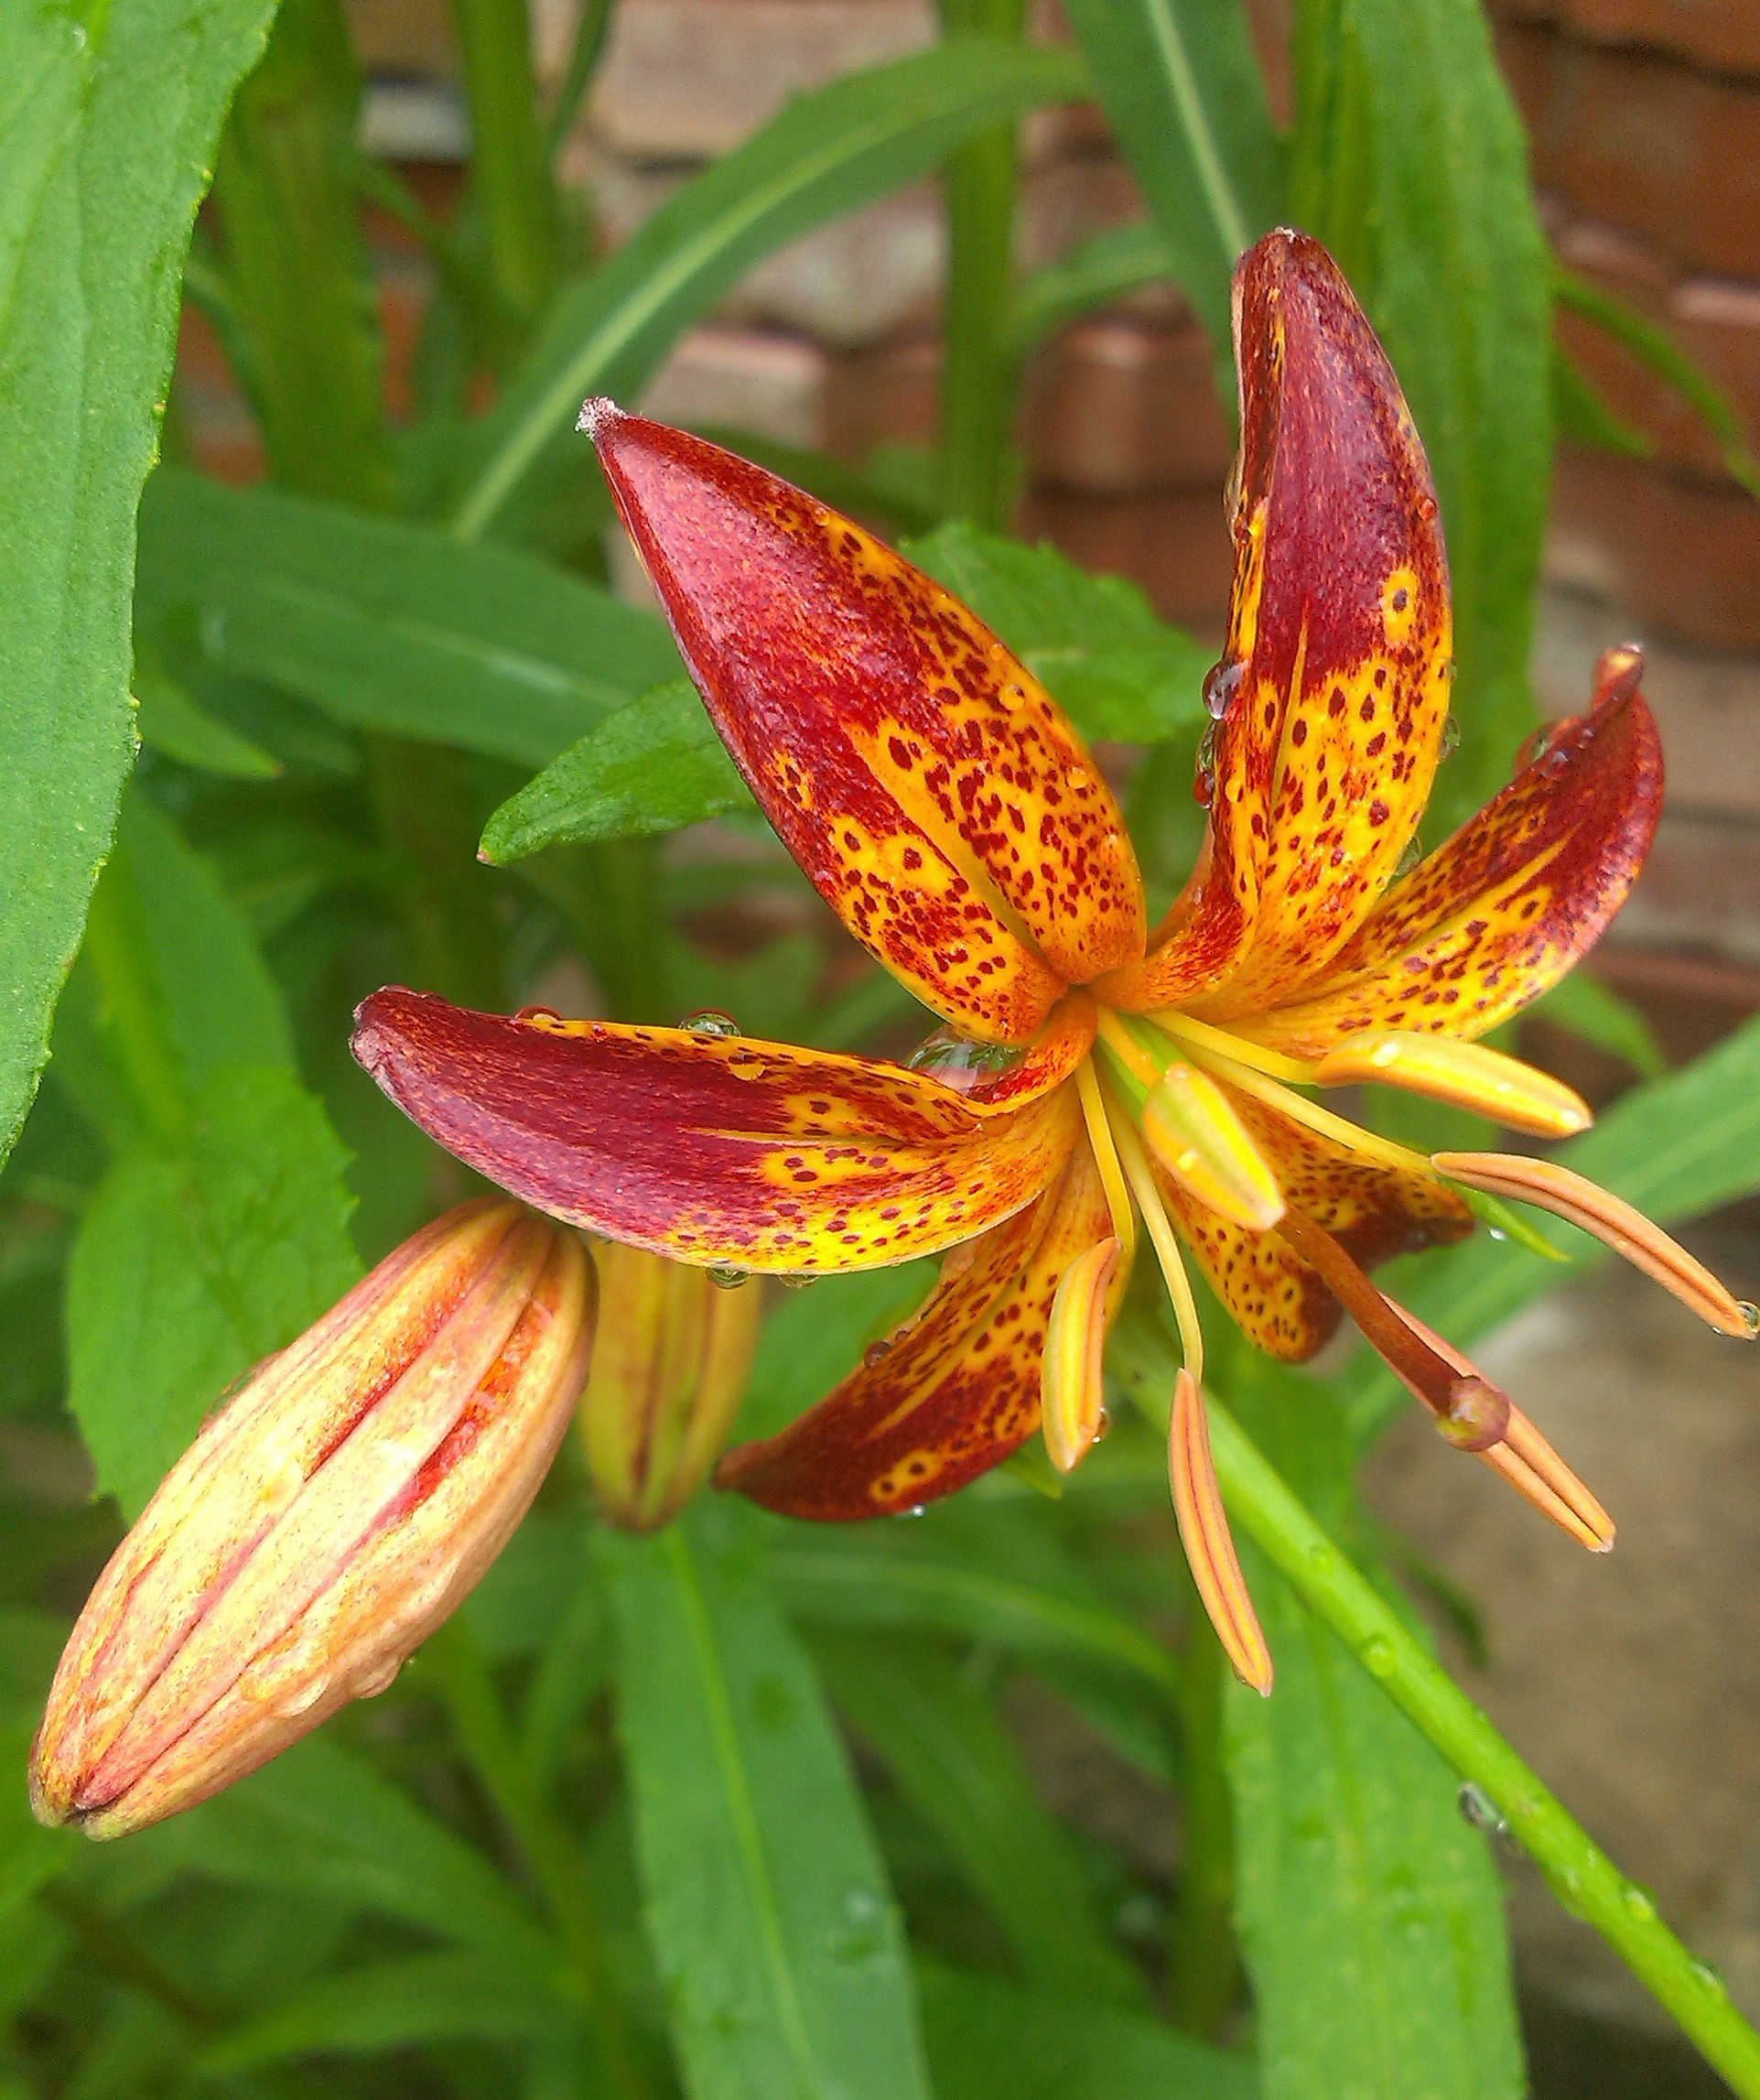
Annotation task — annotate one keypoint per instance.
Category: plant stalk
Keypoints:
(1205, 1963)
(510, 167)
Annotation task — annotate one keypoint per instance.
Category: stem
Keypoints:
(1581, 1875)
(510, 166)
(608, 894)
(463, 1676)
(113, 1949)
(421, 796)
(1205, 1964)
(979, 372)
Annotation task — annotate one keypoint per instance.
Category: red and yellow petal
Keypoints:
(921, 776)
(1504, 908)
(950, 1395)
(992, 1079)
(1338, 654)
(1373, 1211)
(712, 1150)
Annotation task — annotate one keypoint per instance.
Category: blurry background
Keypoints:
(1635, 1684)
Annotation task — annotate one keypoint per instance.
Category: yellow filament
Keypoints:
(1106, 1157)
(1468, 1075)
(1201, 1036)
(1365, 1145)
(1142, 1177)
(1130, 1052)
(1073, 1390)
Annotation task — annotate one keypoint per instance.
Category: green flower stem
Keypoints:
(510, 168)
(461, 1674)
(1203, 1960)
(1581, 1875)
(978, 372)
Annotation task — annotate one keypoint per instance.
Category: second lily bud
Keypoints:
(341, 1505)
(668, 1376)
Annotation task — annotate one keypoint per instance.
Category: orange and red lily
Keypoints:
(1093, 1077)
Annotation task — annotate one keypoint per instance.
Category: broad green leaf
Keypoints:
(990, 1574)
(1675, 1147)
(1409, 162)
(654, 765)
(322, 1821)
(192, 1264)
(1120, 672)
(1182, 90)
(951, 1756)
(391, 2005)
(1586, 1006)
(1368, 1909)
(169, 720)
(767, 1907)
(395, 627)
(817, 1336)
(107, 131)
(986, 2038)
(827, 154)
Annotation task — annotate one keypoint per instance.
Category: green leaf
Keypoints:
(192, 1265)
(1675, 1148)
(1120, 672)
(1584, 1005)
(1411, 164)
(1182, 90)
(107, 130)
(1580, 416)
(395, 627)
(827, 154)
(654, 765)
(992, 1574)
(951, 1756)
(321, 1821)
(1123, 260)
(169, 720)
(817, 1336)
(986, 2038)
(767, 1907)
(1368, 1909)
(391, 2005)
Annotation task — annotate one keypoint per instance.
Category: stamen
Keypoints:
(1192, 1129)
(1365, 1144)
(1139, 1062)
(1209, 1547)
(1161, 1236)
(1468, 1075)
(1106, 1156)
(1528, 1462)
(1627, 1231)
(1201, 1036)
(1073, 1410)
(1470, 1411)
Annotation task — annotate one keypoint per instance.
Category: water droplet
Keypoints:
(1203, 787)
(1478, 1808)
(1410, 854)
(79, 36)
(1221, 683)
(1378, 1657)
(538, 1017)
(916, 1509)
(1207, 747)
(1496, 1232)
(1750, 1315)
(1638, 1901)
(1450, 742)
(710, 1020)
(299, 1698)
(377, 1678)
(729, 1277)
(800, 1280)
(959, 1063)
(1708, 1978)
(875, 1352)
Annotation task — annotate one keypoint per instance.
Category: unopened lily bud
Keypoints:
(668, 1374)
(341, 1505)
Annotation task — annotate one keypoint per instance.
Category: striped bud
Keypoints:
(668, 1375)
(341, 1505)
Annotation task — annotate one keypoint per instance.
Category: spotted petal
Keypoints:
(1338, 667)
(1512, 899)
(1373, 1211)
(712, 1150)
(921, 776)
(953, 1392)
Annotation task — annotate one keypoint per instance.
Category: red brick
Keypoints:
(743, 379)
(1716, 321)
(1070, 202)
(1113, 407)
(407, 37)
(1722, 34)
(888, 396)
(1175, 544)
(1647, 143)
(1674, 551)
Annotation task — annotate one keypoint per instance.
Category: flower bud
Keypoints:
(341, 1505)
(668, 1375)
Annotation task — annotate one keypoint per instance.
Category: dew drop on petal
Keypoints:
(370, 1682)
(958, 1062)
(710, 1020)
(1221, 683)
(727, 1277)
(1451, 735)
(1410, 854)
(1750, 1315)
(800, 1280)
(1477, 1808)
(875, 1352)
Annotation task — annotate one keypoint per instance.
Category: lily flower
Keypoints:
(1093, 1080)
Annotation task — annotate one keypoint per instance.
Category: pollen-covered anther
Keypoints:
(1195, 1134)
(1535, 1470)
(1628, 1232)
(1466, 1075)
(1072, 1412)
(1209, 1547)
